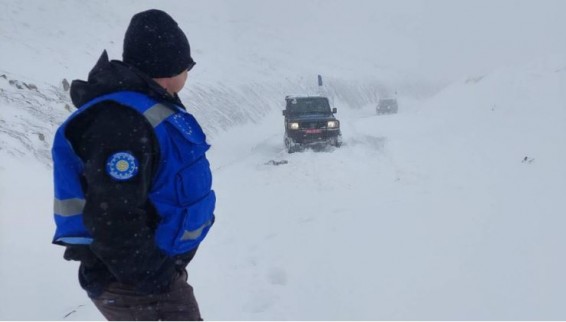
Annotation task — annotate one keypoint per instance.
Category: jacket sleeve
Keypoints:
(117, 213)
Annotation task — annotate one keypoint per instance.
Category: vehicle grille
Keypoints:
(313, 124)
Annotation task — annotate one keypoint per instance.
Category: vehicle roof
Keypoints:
(288, 97)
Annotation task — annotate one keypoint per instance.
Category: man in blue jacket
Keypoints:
(133, 196)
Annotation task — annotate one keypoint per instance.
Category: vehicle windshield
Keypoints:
(387, 102)
(310, 105)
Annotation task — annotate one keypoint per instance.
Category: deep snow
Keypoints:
(450, 210)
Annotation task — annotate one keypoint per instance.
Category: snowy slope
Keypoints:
(422, 215)
(450, 210)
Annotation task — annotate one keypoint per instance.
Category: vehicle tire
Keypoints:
(337, 141)
(290, 145)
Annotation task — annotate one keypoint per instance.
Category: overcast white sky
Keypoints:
(440, 39)
(443, 38)
(476, 36)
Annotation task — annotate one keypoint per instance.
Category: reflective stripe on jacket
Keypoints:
(180, 190)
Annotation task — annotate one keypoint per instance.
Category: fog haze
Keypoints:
(451, 209)
(437, 40)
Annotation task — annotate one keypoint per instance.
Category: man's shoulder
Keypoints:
(106, 118)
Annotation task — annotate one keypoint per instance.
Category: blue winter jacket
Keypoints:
(180, 191)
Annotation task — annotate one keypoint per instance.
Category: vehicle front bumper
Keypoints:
(308, 136)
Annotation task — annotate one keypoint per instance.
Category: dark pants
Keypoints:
(119, 303)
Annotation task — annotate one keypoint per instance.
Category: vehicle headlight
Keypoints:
(332, 124)
(294, 126)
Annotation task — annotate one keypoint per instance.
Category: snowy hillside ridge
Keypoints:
(30, 112)
(217, 106)
(513, 117)
(220, 106)
(532, 88)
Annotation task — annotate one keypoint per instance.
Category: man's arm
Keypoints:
(117, 213)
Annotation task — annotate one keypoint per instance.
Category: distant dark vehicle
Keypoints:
(387, 106)
(309, 120)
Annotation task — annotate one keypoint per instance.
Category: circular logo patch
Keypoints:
(122, 166)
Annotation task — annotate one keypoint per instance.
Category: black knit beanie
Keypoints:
(156, 45)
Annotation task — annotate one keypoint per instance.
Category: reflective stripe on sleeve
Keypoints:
(75, 240)
(195, 234)
(68, 207)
